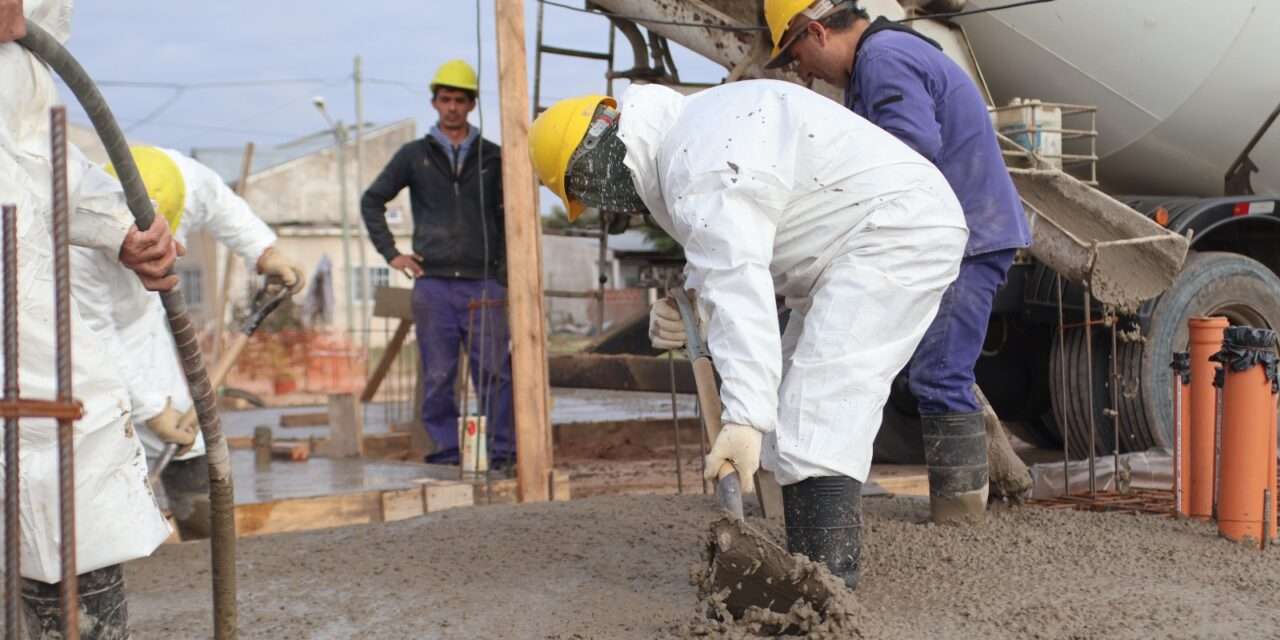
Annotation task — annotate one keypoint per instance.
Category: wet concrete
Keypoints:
(324, 476)
(569, 406)
(618, 568)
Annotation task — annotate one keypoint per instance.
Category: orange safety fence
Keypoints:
(300, 361)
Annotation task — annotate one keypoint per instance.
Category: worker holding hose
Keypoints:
(903, 82)
(189, 197)
(116, 516)
(774, 189)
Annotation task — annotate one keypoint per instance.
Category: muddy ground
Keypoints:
(616, 567)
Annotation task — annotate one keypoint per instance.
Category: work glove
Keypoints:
(168, 426)
(666, 328)
(274, 263)
(739, 445)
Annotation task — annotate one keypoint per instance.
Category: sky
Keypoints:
(287, 52)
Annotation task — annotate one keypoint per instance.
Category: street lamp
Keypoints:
(340, 135)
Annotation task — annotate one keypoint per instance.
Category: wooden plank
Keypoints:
(302, 514)
(620, 373)
(316, 419)
(769, 492)
(393, 302)
(524, 263)
(402, 504)
(384, 364)
(439, 495)
(346, 426)
(559, 480)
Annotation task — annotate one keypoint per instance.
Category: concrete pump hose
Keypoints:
(221, 494)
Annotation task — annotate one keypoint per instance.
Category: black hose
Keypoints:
(221, 492)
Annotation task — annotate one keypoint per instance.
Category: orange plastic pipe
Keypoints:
(1248, 453)
(1206, 340)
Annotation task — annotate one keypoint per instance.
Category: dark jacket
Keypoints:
(450, 227)
(903, 83)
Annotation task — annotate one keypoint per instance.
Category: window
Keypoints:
(192, 285)
(378, 277)
(394, 216)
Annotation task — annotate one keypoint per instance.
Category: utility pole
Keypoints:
(524, 264)
(365, 280)
(340, 132)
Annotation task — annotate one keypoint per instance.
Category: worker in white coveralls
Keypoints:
(116, 514)
(773, 189)
(190, 197)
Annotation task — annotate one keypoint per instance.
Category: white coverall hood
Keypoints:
(116, 515)
(149, 361)
(774, 190)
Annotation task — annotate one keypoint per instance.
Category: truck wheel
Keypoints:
(1211, 283)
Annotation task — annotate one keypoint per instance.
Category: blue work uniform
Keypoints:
(902, 82)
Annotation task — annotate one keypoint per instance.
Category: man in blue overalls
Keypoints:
(904, 83)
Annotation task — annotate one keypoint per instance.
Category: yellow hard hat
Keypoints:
(779, 14)
(164, 182)
(553, 138)
(456, 74)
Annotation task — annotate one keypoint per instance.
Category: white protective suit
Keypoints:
(116, 514)
(774, 189)
(150, 360)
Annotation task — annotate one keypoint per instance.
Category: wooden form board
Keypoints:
(346, 427)
(530, 392)
(323, 512)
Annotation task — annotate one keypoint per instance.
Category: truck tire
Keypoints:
(1072, 410)
(1211, 283)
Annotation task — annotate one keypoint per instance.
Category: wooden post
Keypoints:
(346, 426)
(228, 270)
(524, 263)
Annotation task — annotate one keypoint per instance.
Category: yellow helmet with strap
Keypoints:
(164, 182)
(553, 138)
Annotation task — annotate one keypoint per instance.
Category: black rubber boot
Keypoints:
(824, 523)
(103, 614)
(955, 451)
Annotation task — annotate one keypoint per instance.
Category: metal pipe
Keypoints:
(68, 586)
(1088, 390)
(363, 255)
(221, 490)
(12, 523)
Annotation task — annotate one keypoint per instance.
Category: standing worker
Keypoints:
(903, 82)
(116, 516)
(189, 197)
(774, 189)
(455, 186)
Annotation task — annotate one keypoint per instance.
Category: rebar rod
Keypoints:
(675, 422)
(1115, 398)
(1088, 389)
(1062, 419)
(1178, 426)
(12, 522)
(68, 586)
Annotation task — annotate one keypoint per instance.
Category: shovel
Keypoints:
(264, 302)
(728, 482)
(747, 570)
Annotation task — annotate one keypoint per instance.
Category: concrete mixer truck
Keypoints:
(1101, 104)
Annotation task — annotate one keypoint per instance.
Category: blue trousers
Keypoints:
(941, 371)
(443, 323)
